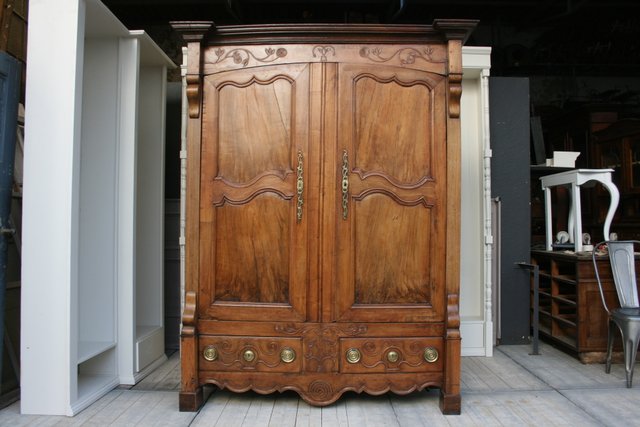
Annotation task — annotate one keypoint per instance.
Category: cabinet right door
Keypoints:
(390, 210)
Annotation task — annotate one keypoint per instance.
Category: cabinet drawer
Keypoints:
(263, 354)
(367, 355)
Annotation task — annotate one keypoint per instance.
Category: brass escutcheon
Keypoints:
(393, 356)
(287, 355)
(353, 355)
(249, 355)
(210, 353)
(345, 184)
(430, 354)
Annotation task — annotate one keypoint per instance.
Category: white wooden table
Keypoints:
(575, 178)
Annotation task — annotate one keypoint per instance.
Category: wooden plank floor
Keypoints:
(510, 389)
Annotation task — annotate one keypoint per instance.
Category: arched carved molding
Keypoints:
(241, 201)
(266, 178)
(420, 200)
(255, 80)
(391, 180)
(428, 83)
(319, 392)
(272, 182)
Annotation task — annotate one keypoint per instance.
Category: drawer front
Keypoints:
(369, 355)
(262, 354)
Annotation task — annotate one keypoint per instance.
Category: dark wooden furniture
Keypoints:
(570, 307)
(323, 210)
(618, 147)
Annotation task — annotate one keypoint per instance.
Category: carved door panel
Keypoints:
(391, 222)
(253, 207)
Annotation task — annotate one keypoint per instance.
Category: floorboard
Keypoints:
(166, 377)
(510, 388)
(259, 412)
(212, 409)
(335, 415)
(285, 410)
(497, 373)
(609, 406)
(418, 409)
(370, 411)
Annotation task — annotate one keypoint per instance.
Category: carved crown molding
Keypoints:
(192, 31)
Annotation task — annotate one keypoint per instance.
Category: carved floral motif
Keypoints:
(242, 56)
(323, 51)
(406, 55)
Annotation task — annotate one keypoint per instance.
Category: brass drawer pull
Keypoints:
(210, 353)
(249, 355)
(287, 355)
(353, 355)
(300, 186)
(393, 356)
(431, 354)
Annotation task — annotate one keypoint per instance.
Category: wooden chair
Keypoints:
(627, 317)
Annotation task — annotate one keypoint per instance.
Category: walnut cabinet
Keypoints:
(323, 210)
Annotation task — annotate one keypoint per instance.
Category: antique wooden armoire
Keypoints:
(323, 185)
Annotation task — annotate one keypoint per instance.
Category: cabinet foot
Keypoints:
(190, 401)
(450, 403)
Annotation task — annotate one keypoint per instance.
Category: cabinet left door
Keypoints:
(254, 210)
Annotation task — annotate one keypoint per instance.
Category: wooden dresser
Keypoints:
(570, 307)
(323, 192)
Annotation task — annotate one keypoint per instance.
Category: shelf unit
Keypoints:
(618, 147)
(92, 307)
(570, 307)
(571, 131)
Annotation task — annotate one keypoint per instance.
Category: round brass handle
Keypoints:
(353, 355)
(393, 356)
(210, 353)
(431, 354)
(287, 355)
(249, 355)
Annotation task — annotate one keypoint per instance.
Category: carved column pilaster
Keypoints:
(456, 32)
(190, 398)
(450, 400)
(193, 33)
(488, 224)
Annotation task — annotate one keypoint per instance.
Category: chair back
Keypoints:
(621, 255)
